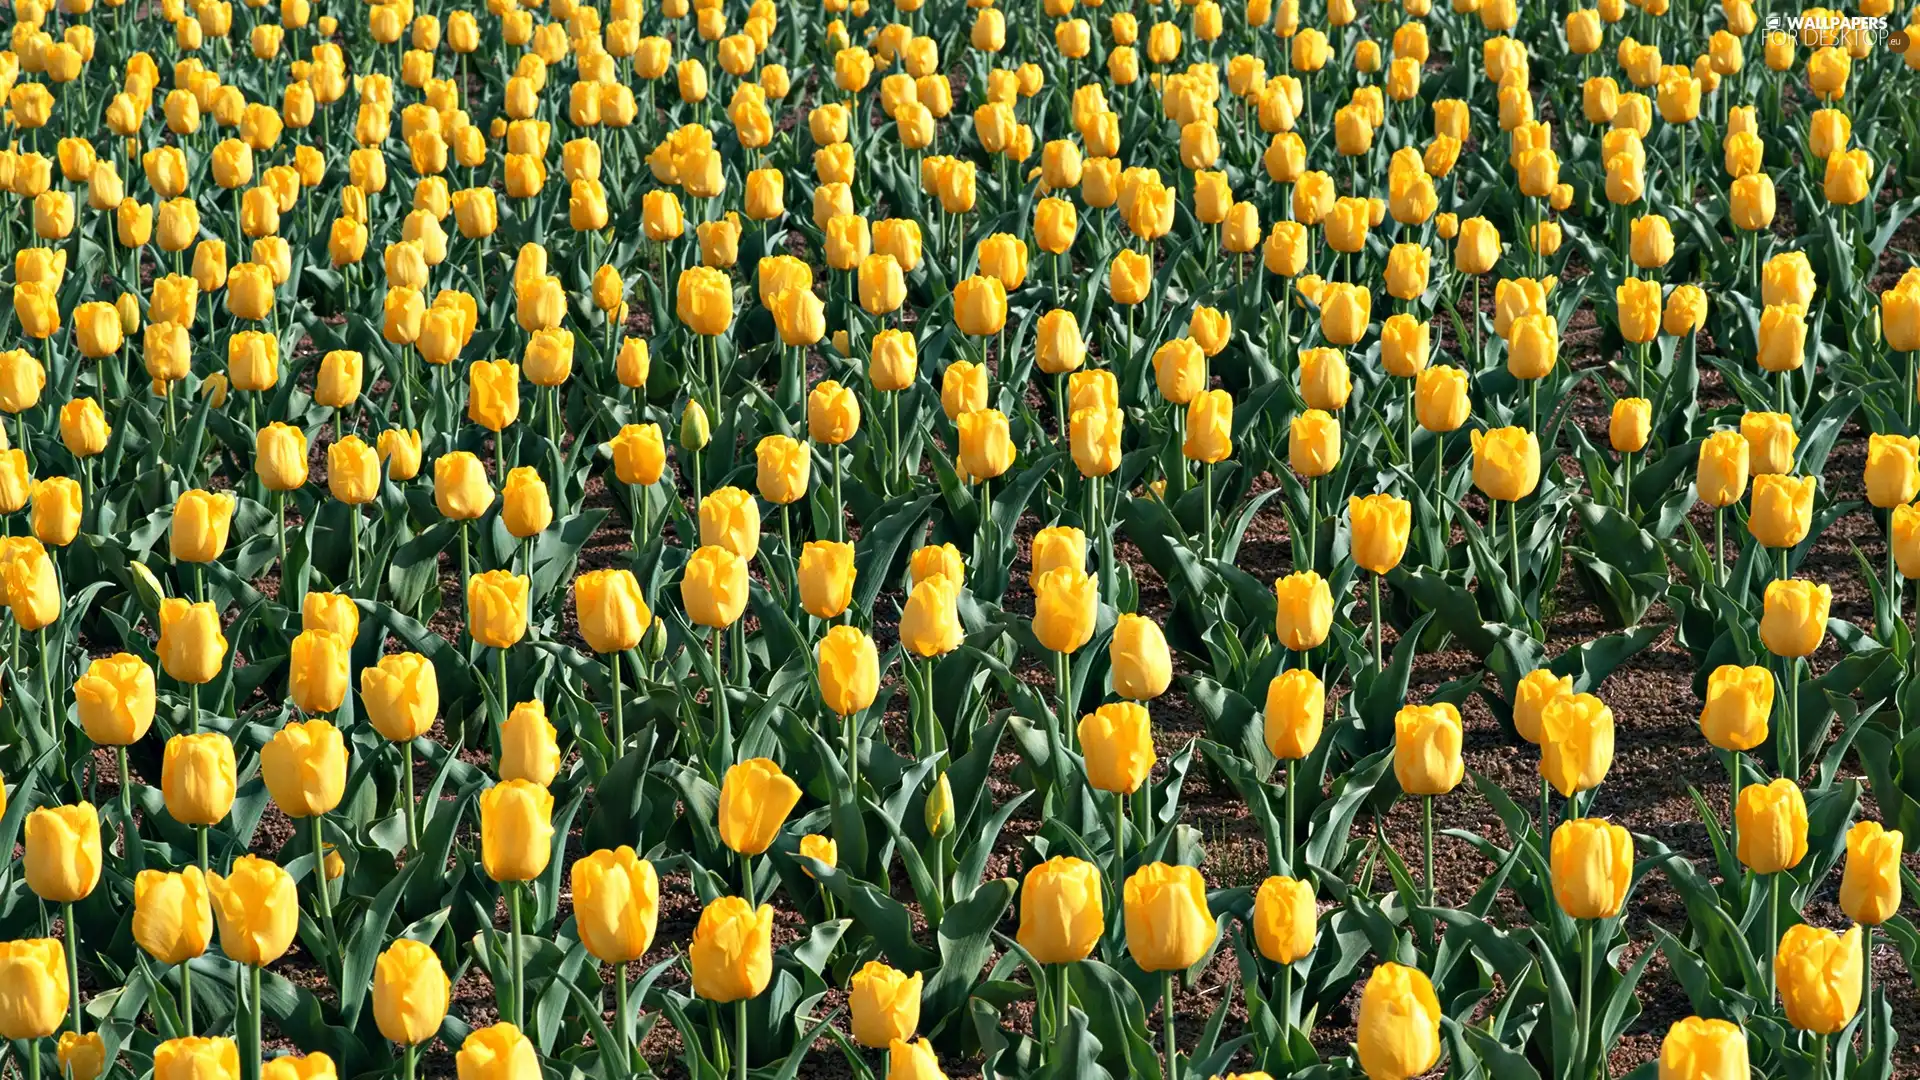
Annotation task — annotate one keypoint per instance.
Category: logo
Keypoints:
(1819, 29)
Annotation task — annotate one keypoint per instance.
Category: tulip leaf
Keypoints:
(964, 939)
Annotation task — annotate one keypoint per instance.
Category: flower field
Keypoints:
(1317, 538)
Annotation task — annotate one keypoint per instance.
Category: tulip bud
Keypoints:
(1773, 826)
(1426, 749)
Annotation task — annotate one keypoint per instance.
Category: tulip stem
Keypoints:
(620, 1026)
(73, 963)
(740, 1038)
(1586, 1042)
(746, 876)
(33, 1058)
(1773, 929)
(320, 874)
(1866, 996)
(186, 996)
(1166, 1026)
(46, 684)
(619, 709)
(412, 1056)
(1720, 546)
(127, 833)
(1378, 646)
(201, 840)
(1426, 843)
(513, 951)
(259, 1008)
(413, 823)
(1733, 802)
(1061, 1005)
(1206, 474)
(1290, 845)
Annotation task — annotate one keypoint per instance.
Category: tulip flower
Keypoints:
(410, 995)
(1697, 1049)
(516, 842)
(884, 1005)
(1399, 1023)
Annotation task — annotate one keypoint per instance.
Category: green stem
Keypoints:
(1733, 802)
(1586, 1041)
(1426, 842)
(1292, 842)
(1378, 647)
(746, 876)
(1866, 995)
(413, 823)
(620, 1026)
(258, 1008)
(740, 1038)
(73, 964)
(126, 802)
(1061, 1006)
(320, 875)
(186, 996)
(1166, 1025)
(619, 715)
(1773, 929)
(519, 971)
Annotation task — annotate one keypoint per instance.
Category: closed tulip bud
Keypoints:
(616, 903)
(1819, 973)
(884, 1004)
(930, 622)
(1406, 345)
(1900, 319)
(1773, 826)
(81, 1057)
(1141, 664)
(498, 1052)
(1783, 338)
(826, 575)
(1592, 866)
(1407, 268)
(1771, 441)
(115, 699)
(200, 524)
(713, 588)
(529, 745)
(1066, 606)
(33, 989)
(410, 992)
(986, 443)
(1533, 346)
(84, 430)
(1870, 884)
(497, 608)
(732, 950)
(1782, 512)
(1344, 312)
(639, 454)
(1313, 445)
(401, 695)
(198, 1058)
(1284, 919)
(1629, 425)
(1892, 478)
(1380, 524)
(460, 488)
(1724, 457)
(1752, 199)
(1506, 463)
(516, 830)
(525, 507)
(338, 383)
(1795, 617)
(353, 471)
(1788, 279)
(1477, 247)
(1209, 426)
(305, 764)
(1697, 1049)
(894, 358)
(1304, 611)
(56, 511)
(1576, 742)
(1180, 370)
(730, 519)
(1295, 711)
(1168, 925)
(1061, 918)
(980, 306)
(1686, 311)
(62, 852)
(704, 300)
(191, 646)
(1129, 277)
(1442, 399)
(1117, 740)
(1399, 1023)
(1426, 756)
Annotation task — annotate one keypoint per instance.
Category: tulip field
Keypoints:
(1148, 539)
